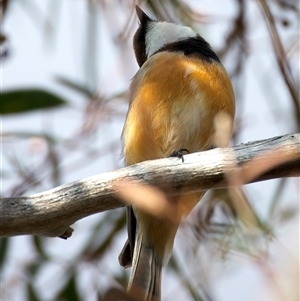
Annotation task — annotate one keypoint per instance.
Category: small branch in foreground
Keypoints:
(51, 212)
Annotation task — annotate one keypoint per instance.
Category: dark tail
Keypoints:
(145, 279)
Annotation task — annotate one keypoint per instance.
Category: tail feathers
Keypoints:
(145, 279)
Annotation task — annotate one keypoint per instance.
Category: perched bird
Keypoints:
(176, 94)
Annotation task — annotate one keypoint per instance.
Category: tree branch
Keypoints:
(51, 212)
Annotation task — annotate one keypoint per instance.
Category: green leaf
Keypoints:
(3, 249)
(69, 292)
(31, 293)
(34, 267)
(38, 243)
(19, 101)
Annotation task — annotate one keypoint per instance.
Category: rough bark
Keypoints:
(51, 212)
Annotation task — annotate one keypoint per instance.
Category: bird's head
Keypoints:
(153, 36)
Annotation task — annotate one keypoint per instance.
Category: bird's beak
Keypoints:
(141, 15)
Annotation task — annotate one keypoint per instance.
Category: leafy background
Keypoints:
(66, 67)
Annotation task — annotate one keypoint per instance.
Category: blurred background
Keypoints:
(65, 71)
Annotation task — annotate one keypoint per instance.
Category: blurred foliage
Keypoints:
(4, 242)
(20, 101)
(215, 231)
(69, 292)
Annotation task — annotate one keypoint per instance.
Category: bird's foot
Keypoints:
(179, 153)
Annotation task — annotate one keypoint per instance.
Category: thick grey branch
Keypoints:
(51, 212)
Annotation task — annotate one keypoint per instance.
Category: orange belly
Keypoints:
(173, 106)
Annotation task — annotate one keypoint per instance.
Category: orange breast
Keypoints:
(174, 100)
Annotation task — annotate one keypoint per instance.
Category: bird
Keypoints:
(175, 96)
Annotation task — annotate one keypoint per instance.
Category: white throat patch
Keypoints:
(160, 34)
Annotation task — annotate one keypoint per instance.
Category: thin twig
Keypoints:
(281, 57)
